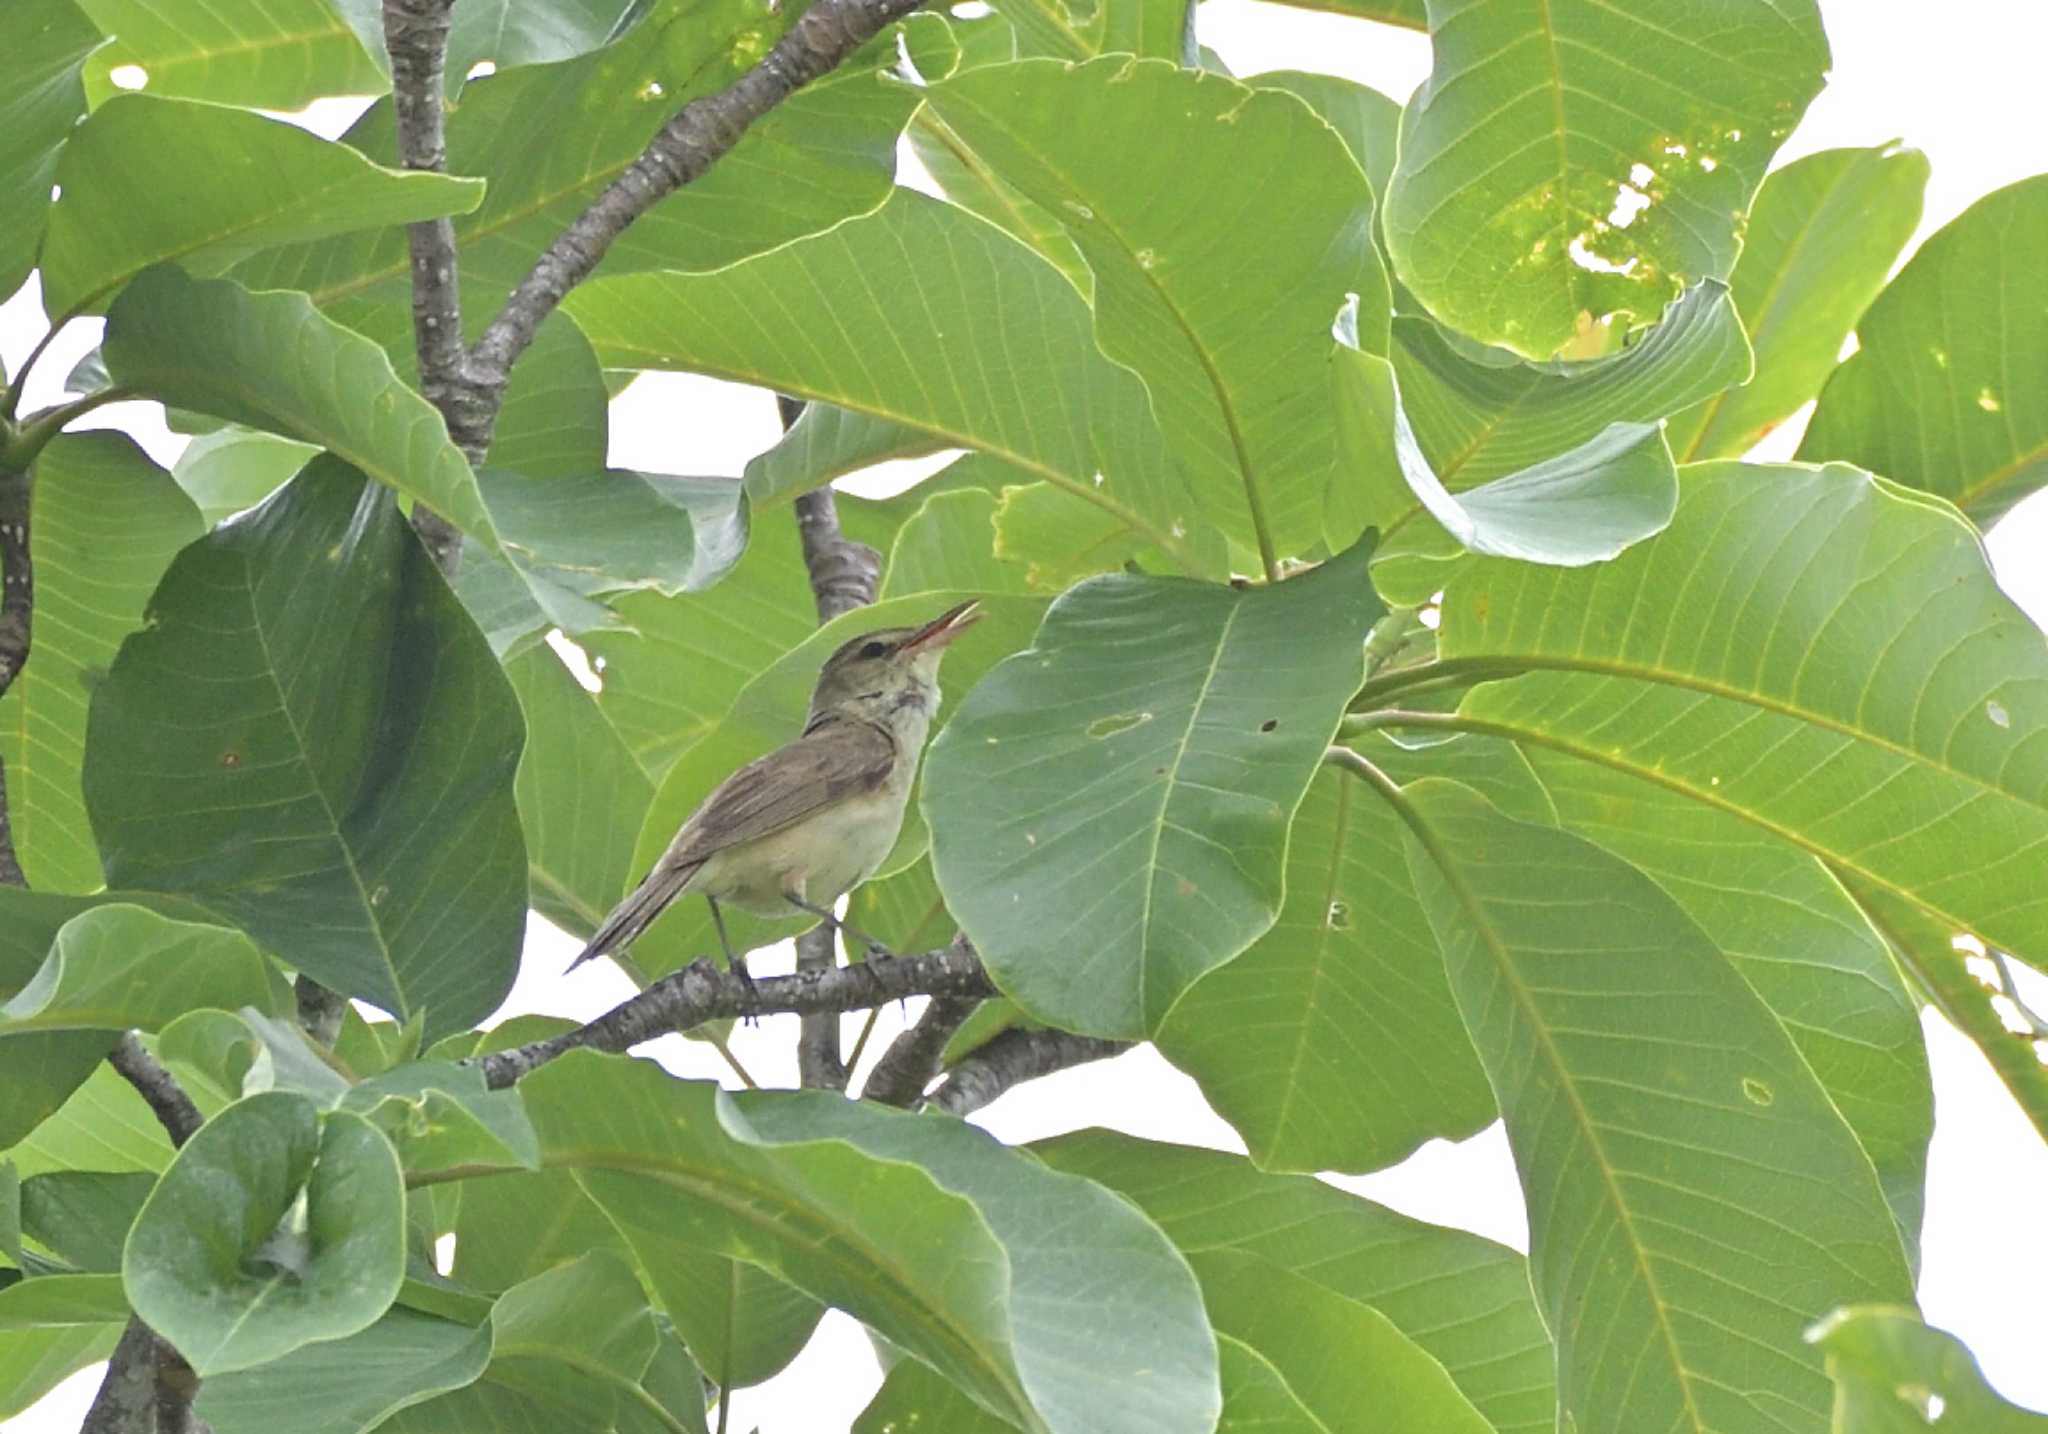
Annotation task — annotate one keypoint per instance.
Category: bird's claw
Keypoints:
(746, 979)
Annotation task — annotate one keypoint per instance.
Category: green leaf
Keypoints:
(913, 1396)
(504, 32)
(220, 1264)
(443, 1123)
(904, 912)
(1344, 1363)
(1822, 235)
(1463, 1299)
(107, 522)
(1047, 1298)
(54, 1325)
(1368, 121)
(770, 711)
(826, 443)
(146, 179)
(1157, 29)
(92, 1119)
(555, 420)
(82, 1216)
(997, 354)
(1811, 649)
(1694, 1197)
(1058, 537)
(949, 545)
(46, 47)
(1206, 205)
(582, 797)
(1409, 14)
(120, 967)
(232, 469)
(270, 361)
(1800, 943)
(1567, 165)
(613, 531)
(1147, 753)
(342, 790)
(1332, 1043)
(348, 1385)
(1945, 393)
(1894, 1375)
(280, 55)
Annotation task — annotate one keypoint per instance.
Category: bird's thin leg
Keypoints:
(876, 950)
(738, 963)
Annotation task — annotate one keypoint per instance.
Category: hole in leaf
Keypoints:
(1756, 1092)
(1269, 724)
(1122, 722)
(1339, 918)
(128, 77)
(1995, 710)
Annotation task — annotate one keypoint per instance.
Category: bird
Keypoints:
(799, 828)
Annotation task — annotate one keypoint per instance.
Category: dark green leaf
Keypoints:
(1694, 1197)
(118, 967)
(1569, 165)
(220, 1264)
(46, 45)
(1822, 235)
(1110, 807)
(443, 1123)
(82, 1216)
(106, 524)
(343, 788)
(1949, 391)
(604, 532)
(348, 1385)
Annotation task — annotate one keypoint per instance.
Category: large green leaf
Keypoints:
(81, 1217)
(1332, 1043)
(1949, 389)
(1463, 1299)
(117, 967)
(276, 54)
(146, 179)
(547, 150)
(1235, 191)
(997, 354)
(1822, 235)
(1109, 808)
(233, 469)
(949, 543)
(1047, 1298)
(1895, 1375)
(46, 46)
(1571, 162)
(504, 32)
(345, 1386)
(769, 711)
(1369, 122)
(1160, 29)
(312, 741)
(443, 1123)
(613, 531)
(1814, 650)
(222, 1265)
(1694, 1197)
(1409, 14)
(107, 522)
(51, 1327)
(1797, 939)
(826, 443)
(270, 361)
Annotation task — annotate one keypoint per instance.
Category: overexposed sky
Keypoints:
(1959, 81)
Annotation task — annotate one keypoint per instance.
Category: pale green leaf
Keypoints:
(46, 45)
(276, 54)
(1895, 1375)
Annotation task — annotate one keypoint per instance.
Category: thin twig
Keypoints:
(1013, 1057)
(703, 992)
(17, 619)
(158, 1087)
(912, 1060)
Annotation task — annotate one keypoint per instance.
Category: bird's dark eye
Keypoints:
(875, 649)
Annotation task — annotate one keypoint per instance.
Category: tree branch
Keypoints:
(416, 38)
(907, 1067)
(818, 1063)
(699, 134)
(1014, 1057)
(17, 617)
(702, 992)
(148, 1385)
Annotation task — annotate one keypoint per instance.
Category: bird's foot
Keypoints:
(746, 979)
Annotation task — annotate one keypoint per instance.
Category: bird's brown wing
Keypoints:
(836, 760)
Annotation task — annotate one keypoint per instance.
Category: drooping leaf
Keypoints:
(233, 469)
(270, 361)
(279, 55)
(555, 421)
(997, 355)
(605, 532)
(146, 180)
(1945, 392)
(46, 45)
(1045, 1297)
(343, 788)
(348, 1385)
(1895, 1375)
(1799, 942)
(1530, 207)
(770, 711)
(827, 442)
(1636, 1070)
(51, 1327)
(1463, 1299)
(1822, 234)
(1236, 191)
(1145, 756)
(118, 967)
(219, 1264)
(107, 522)
(443, 1123)
(1818, 652)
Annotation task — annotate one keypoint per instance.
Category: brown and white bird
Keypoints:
(802, 826)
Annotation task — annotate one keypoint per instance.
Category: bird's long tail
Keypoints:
(636, 913)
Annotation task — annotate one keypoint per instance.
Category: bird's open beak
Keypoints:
(943, 628)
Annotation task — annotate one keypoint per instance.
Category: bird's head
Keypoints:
(879, 673)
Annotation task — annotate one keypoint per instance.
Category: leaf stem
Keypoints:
(11, 404)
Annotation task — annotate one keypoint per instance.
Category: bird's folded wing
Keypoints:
(827, 765)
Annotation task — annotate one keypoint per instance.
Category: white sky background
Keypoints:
(1960, 81)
